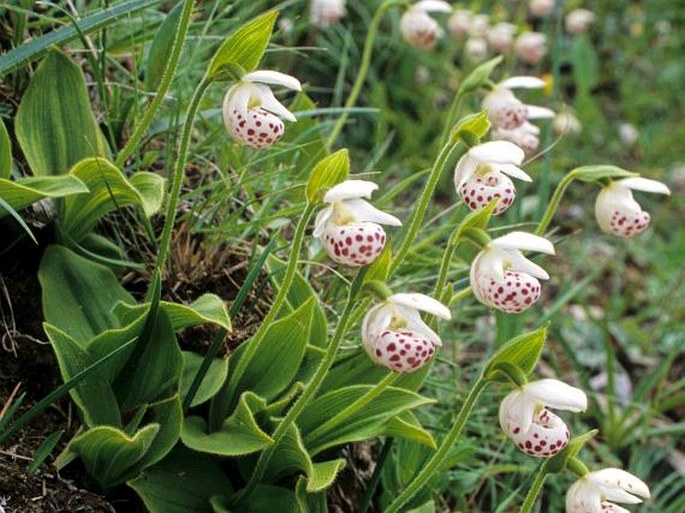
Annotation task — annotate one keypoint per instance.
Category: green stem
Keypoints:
(445, 155)
(451, 117)
(363, 70)
(462, 294)
(444, 269)
(438, 458)
(554, 203)
(355, 406)
(577, 467)
(308, 393)
(535, 489)
(160, 94)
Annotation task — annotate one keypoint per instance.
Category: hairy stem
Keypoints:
(535, 489)
(554, 203)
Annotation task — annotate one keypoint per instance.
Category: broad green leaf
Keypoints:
(558, 463)
(109, 454)
(23, 192)
(599, 172)
(38, 46)
(208, 308)
(78, 295)
(329, 172)
(360, 425)
(104, 251)
(309, 502)
(183, 482)
(276, 360)
(585, 63)
(245, 46)
(479, 76)
(5, 153)
(406, 425)
(474, 221)
(169, 416)
(264, 499)
(160, 48)
(55, 126)
(380, 267)
(109, 190)
(211, 384)
(239, 435)
(522, 352)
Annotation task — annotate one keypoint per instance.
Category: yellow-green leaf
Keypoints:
(25, 191)
(329, 172)
(5, 152)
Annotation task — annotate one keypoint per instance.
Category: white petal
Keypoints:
(516, 409)
(475, 274)
(556, 394)
(535, 112)
(375, 321)
(365, 211)
(321, 221)
(415, 323)
(464, 169)
(432, 6)
(350, 189)
(618, 495)
(273, 77)
(622, 479)
(520, 264)
(498, 152)
(522, 82)
(423, 303)
(523, 241)
(516, 172)
(638, 183)
(238, 98)
(270, 103)
(584, 496)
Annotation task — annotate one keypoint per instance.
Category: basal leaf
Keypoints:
(5, 153)
(25, 191)
(261, 500)
(211, 384)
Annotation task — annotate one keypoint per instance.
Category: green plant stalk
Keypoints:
(451, 117)
(577, 467)
(309, 392)
(175, 193)
(426, 196)
(462, 294)
(535, 488)
(444, 268)
(363, 69)
(554, 203)
(439, 456)
(357, 405)
(160, 94)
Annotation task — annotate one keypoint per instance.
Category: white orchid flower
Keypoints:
(541, 8)
(394, 335)
(566, 123)
(502, 278)
(618, 213)
(251, 110)
(418, 28)
(506, 111)
(480, 23)
(592, 492)
(481, 175)
(327, 12)
(350, 228)
(476, 49)
(460, 23)
(525, 137)
(524, 417)
(501, 37)
(530, 47)
(579, 20)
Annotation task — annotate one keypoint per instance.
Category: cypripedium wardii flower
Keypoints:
(418, 28)
(618, 213)
(593, 492)
(327, 12)
(481, 175)
(524, 417)
(394, 335)
(506, 111)
(525, 136)
(502, 278)
(251, 110)
(350, 227)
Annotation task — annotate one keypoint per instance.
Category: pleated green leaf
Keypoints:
(522, 351)
(5, 153)
(264, 499)
(25, 191)
(211, 384)
(330, 171)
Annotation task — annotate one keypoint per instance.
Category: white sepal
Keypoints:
(273, 77)
(556, 394)
(637, 183)
(523, 241)
(350, 189)
(498, 152)
(365, 212)
(522, 82)
(423, 303)
(515, 171)
(432, 6)
(618, 478)
(535, 112)
(269, 102)
(594, 491)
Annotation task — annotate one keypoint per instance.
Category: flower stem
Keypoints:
(437, 459)
(310, 390)
(451, 117)
(554, 203)
(160, 94)
(577, 467)
(363, 69)
(178, 176)
(535, 489)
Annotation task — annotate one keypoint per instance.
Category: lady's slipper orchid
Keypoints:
(326, 12)
(350, 227)
(501, 37)
(251, 110)
(618, 213)
(481, 175)
(579, 20)
(592, 492)
(506, 111)
(395, 336)
(480, 23)
(525, 137)
(530, 47)
(566, 123)
(524, 417)
(419, 29)
(476, 49)
(460, 23)
(502, 278)
(541, 8)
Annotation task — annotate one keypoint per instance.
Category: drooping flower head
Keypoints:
(327, 12)
(524, 417)
(350, 227)
(418, 28)
(506, 111)
(579, 20)
(616, 210)
(481, 175)
(395, 336)
(593, 492)
(251, 110)
(502, 278)
(530, 47)
(525, 137)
